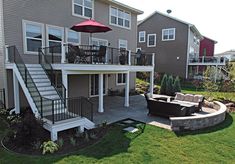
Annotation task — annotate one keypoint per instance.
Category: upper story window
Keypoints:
(142, 36)
(73, 37)
(83, 8)
(168, 34)
(33, 36)
(120, 17)
(122, 44)
(152, 39)
(55, 37)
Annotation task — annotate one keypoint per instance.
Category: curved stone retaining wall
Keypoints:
(199, 122)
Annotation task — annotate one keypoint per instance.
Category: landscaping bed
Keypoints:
(26, 135)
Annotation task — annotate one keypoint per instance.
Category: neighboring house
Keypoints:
(230, 55)
(207, 47)
(175, 42)
(44, 79)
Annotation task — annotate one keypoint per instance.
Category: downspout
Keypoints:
(3, 47)
(187, 62)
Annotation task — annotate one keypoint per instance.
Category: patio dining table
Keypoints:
(87, 56)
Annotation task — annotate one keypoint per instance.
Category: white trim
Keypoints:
(125, 6)
(106, 85)
(67, 30)
(55, 27)
(144, 37)
(98, 39)
(82, 16)
(124, 42)
(188, 49)
(155, 40)
(24, 23)
(120, 84)
(168, 29)
(129, 28)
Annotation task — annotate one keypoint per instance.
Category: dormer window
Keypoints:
(83, 8)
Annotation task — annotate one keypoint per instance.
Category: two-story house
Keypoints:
(175, 42)
(38, 66)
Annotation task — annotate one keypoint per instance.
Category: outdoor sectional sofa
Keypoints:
(196, 100)
(165, 109)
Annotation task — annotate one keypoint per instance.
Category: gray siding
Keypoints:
(79, 84)
(167, 51)
(59, 13)
(2, 70)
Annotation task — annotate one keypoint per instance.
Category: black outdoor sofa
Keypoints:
(165, 109)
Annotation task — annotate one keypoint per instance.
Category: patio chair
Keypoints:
(100, 57)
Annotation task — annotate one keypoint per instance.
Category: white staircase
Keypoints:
(45, 100)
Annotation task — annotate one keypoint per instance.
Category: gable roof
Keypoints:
(210, 39)
(192, 27)
(114, 2)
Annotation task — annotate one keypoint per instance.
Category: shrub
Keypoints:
(72, 141)
(163, 84)
(27, 129)
(60, 142)
(176, 86)
(49, 147)
(169, 86)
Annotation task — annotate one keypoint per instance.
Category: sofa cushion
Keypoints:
(198, 98)
(179, 96)
(188, 97)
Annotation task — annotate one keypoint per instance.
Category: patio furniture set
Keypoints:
(178, 106)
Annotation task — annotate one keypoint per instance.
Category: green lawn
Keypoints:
(214, 145)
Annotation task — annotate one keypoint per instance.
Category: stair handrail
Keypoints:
(52, 79)
(27, 74)
(75, 110)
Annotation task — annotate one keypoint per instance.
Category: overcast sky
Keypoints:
(213, 18)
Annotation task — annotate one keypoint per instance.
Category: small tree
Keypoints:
(163, 84)
(169, 86)
(176, 86)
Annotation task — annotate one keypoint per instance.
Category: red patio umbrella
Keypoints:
(90, 26)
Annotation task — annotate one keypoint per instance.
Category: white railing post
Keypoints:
(7, 54)
(129, 57)
(153, 59)
(62, 53)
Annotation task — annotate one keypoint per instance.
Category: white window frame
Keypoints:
(106, 85)
(155, 40)
(24, 23)
(98, 39)
(144, 36)
(83, 10)
(122, 83)
(67, 30)
(124, 41)
(47, 32)
(168, 29)
(117, 25)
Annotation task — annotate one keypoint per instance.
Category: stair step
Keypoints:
(48, 88)
(41, 80)
(36, 76)
(33, 66)
(46, 93)
(47, 84)
(53, 97)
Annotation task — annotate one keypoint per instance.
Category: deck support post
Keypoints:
(101, 93)
(127, 89)
(151, 83)
(16, 94)
(65, 82)
(54, 135)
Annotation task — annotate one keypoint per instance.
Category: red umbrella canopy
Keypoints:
(91, 26)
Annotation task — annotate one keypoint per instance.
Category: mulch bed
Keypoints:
(67, 147)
